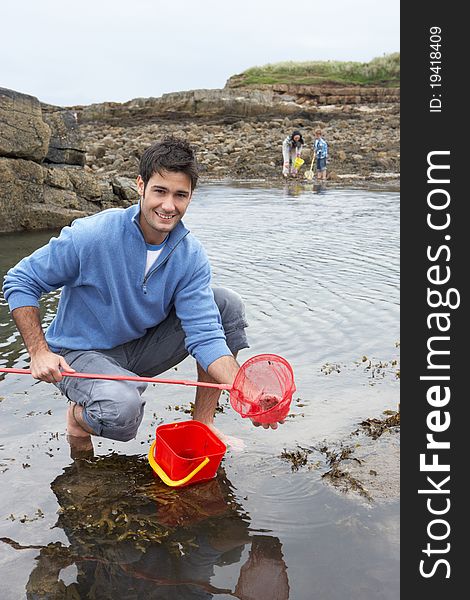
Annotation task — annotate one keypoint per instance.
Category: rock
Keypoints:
(129, 167)
(98, 150)
(43, 183)
(84, 183)
(61, 199)
(324, 94)
(58, 178)
(46, 216)
(33, 196)
(125, 189)
(225, 103)
(108, 199)
(384, 163)
(65, 146)
(23, 133)
(21, 184)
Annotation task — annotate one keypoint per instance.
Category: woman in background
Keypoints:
(291, 149)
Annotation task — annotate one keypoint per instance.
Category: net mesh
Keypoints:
(263, 388)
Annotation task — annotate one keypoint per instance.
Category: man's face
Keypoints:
(164, 203)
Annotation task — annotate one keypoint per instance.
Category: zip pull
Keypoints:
(144, 287)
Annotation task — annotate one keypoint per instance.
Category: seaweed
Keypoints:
(376, 427)
(298, 458)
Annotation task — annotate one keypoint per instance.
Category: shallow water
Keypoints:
(319, 272)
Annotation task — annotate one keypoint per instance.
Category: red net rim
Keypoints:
(261, 358)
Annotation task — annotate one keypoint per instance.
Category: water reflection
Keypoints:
(132, 537)
(319, 188)
(321, 285)
(296, 189)
(293, 189)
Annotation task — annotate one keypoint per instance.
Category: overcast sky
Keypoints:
(86, 51)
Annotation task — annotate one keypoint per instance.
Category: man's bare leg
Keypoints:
(204, 409)
(78, 433)
(206, 399)
(75, 424)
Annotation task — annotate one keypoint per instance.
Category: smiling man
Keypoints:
(136, 299)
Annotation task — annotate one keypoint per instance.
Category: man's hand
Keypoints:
(236, 444)
(47, 366)
(224, 370)
(267, 425)
(258, 398)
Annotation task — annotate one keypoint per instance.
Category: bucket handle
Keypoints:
(164, 477)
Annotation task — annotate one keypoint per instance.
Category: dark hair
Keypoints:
(300, 142)
(171, 154)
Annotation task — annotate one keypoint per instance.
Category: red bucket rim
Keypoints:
(221, 446)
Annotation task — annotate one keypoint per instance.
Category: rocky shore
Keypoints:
(57, 164)
(363, 142)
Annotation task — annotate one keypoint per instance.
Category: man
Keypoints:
(136, 299)
(320, 149)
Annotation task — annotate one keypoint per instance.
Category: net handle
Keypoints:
(220, 386)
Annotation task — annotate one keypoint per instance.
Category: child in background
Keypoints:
(320, 148)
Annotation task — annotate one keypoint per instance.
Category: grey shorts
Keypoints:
(114, 409)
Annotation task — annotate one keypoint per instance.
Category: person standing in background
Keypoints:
(320, 148)
(291, 149)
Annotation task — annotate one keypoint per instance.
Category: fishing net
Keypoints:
(263, 388)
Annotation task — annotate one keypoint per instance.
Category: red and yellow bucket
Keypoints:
(185, 453)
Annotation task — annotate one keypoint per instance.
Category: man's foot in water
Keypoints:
(78, 438)
(80, 447)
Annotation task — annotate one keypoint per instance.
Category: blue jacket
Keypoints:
(320, 147)
(99, 262)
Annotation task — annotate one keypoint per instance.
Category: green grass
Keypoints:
(382, 71)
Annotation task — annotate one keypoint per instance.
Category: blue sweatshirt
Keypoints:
(106, 300)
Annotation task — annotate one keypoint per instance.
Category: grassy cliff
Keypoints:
(380, 71)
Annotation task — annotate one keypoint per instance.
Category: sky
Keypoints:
(69, 53)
